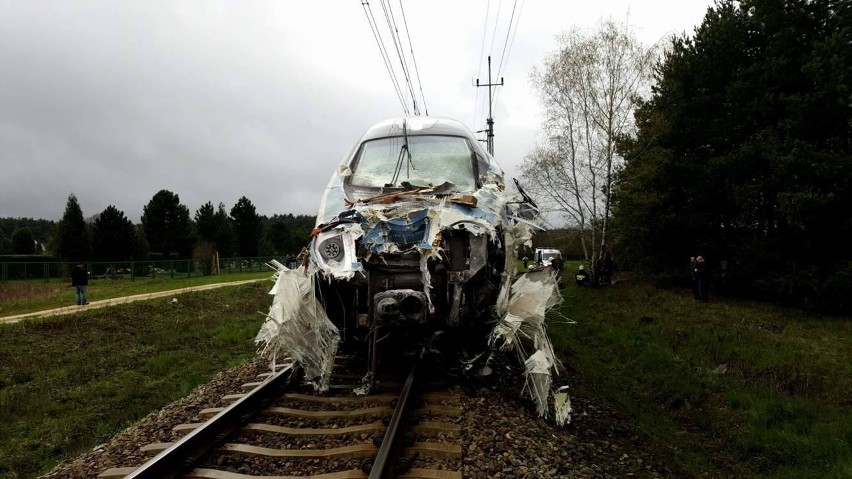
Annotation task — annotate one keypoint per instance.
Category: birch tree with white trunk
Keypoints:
(589, 88)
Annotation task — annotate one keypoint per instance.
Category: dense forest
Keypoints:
(166, 231)
(743, 154)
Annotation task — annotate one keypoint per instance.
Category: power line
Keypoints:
(511, 43)
(399, 52)
(494, 33)
(479, 65)
(506, 42)
(491, 48)
(374, 27)
(504, 60)
(413, 58)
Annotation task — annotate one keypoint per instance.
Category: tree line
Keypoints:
(736, 148)
(166, 231)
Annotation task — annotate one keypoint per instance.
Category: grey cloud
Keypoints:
(114, 101)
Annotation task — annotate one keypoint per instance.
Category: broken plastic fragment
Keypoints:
(297, 326)
(561, 406)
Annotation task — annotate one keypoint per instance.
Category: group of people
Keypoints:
(699, 278)
(604, 268)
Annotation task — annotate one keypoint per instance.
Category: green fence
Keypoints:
(130, 270)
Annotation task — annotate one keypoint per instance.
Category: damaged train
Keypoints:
(414, 253)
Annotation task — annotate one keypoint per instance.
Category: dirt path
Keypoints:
(121, 300)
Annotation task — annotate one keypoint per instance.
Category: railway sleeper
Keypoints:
(433, 428)
(432, 398)
(436, 450)
(201, 473)
(366, 412)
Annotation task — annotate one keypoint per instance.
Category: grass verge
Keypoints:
(68, 383)
(731, 388)
(18, 297)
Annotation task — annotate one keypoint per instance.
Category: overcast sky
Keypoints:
(115, 100)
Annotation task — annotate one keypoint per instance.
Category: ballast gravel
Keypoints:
(501, 436)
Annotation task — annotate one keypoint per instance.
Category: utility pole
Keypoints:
(490, 121)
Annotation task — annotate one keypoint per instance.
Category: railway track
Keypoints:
(280, 429)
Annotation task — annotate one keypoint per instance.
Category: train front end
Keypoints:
(414, 254)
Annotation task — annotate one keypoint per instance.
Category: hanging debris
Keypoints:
(297, 328)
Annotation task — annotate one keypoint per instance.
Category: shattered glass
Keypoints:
(435, 160)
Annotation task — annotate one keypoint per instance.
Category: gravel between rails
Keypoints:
(501, 436)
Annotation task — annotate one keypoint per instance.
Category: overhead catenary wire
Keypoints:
(481, 111)
(374, 27)
(409, 91)
(494, 32)
(511, 31)
(413, 58)
(399, 51)
(479, 65)
(509, 51)
(484, 107)
(506, 42)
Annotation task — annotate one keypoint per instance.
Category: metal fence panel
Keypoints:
(130, 270)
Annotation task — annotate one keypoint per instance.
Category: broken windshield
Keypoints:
(434, 160)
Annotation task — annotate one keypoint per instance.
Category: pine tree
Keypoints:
(247, 227)
(71, 241)
(112, 236)
(167, 225)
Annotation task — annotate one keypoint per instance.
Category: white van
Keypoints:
(543, 256)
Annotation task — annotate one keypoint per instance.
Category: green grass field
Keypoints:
(730, 388)
(18, 297)
(68, 383)
(723, 389)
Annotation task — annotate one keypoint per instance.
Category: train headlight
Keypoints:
(331, 249)
(334, 253)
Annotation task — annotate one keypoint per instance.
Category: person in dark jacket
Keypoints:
(692, 263)
(700, 276)
(80, 280)
(558, 265)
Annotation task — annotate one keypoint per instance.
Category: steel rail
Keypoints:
(182, 456)
(382, 466)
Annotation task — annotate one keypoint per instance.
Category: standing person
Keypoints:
(80, 280)
(558, 264)
(700, 279)
(581, 276)
(694, 280)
